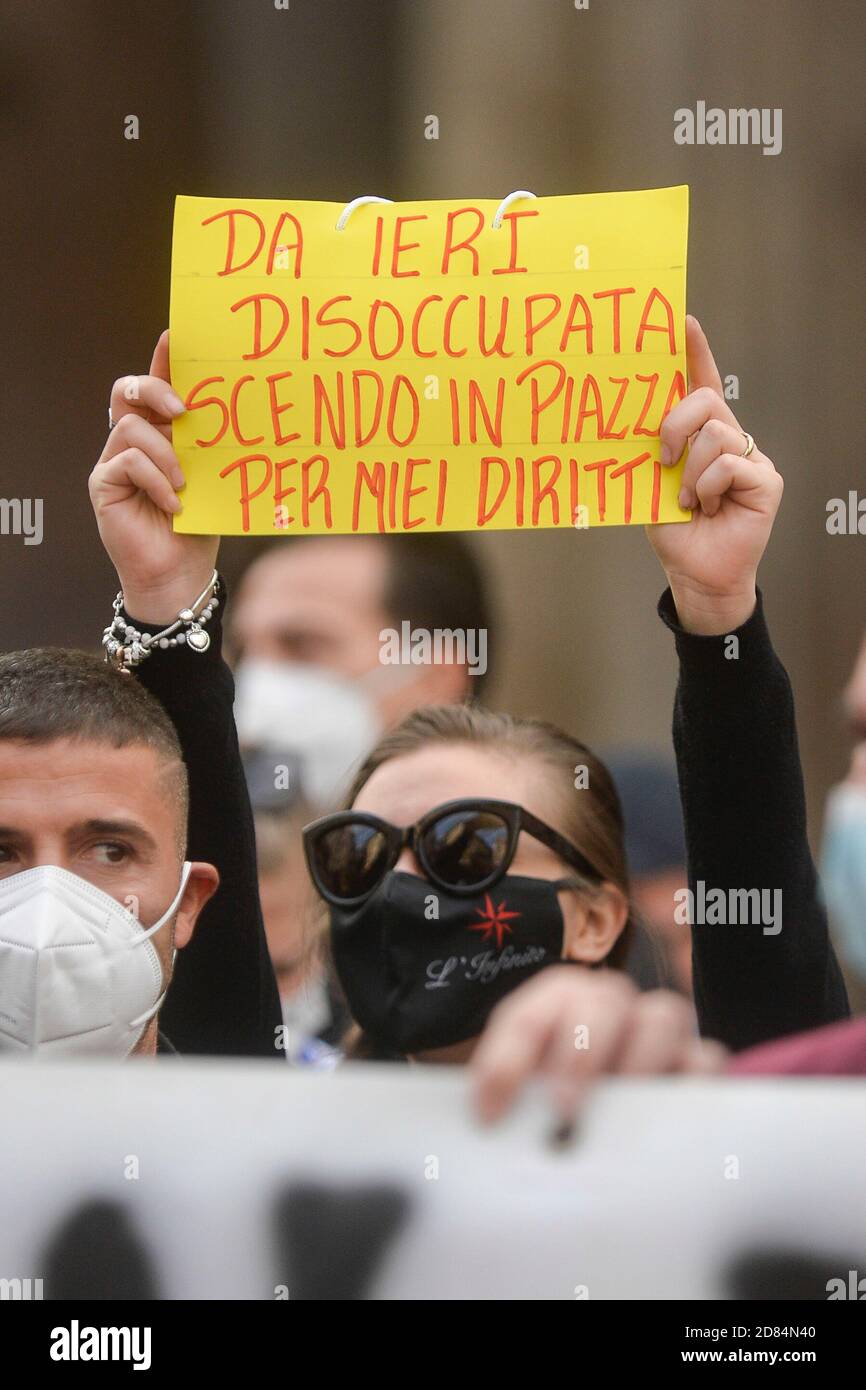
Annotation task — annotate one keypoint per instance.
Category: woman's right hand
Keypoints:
(133, 489)
(570, 1026)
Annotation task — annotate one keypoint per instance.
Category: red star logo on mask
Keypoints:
(493, 919)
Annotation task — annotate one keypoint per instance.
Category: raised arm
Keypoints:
(736, 741)
(223, 998)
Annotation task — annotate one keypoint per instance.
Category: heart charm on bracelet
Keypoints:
(198, 639)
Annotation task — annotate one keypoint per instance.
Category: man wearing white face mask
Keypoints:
(334, 641)
(96, 896)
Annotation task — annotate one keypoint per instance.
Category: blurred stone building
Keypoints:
(328, 99)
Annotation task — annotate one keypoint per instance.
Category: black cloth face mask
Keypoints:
(422, 968)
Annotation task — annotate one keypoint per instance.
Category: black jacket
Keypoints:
(744, 809)
(223, 998)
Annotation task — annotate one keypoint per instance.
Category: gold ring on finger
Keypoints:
(750, 444)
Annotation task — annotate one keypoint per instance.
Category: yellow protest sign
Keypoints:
(423, 368)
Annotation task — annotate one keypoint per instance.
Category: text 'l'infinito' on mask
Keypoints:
(422, 968)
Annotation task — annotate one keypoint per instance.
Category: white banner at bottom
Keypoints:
(213, 1180)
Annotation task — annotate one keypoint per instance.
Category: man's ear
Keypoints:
(201, 885)
(593, 923)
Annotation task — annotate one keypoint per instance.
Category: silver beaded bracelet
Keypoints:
(126, 647)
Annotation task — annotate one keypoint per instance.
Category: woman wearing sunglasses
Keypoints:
(475, 851)
(473, 857)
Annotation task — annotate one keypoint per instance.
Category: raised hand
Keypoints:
(712, 562)
(134, 488)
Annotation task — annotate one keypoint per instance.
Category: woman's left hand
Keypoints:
(570, 1025)
(712, 562)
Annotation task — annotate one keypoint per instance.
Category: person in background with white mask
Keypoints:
(843, 860)
(95, 893)
(314, 1015)
(334, 641)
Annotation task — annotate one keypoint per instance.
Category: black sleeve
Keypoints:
(223, 998)
(745, 820)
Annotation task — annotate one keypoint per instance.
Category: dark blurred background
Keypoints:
(327, 99)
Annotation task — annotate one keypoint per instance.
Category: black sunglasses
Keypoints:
(463, 846)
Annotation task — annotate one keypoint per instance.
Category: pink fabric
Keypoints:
(837, 1050)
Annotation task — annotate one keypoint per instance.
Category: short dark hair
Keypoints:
(436, 581)
(49, 693)
(432, 580)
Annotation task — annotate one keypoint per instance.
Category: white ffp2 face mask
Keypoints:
(330, 723)
(79, 975)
